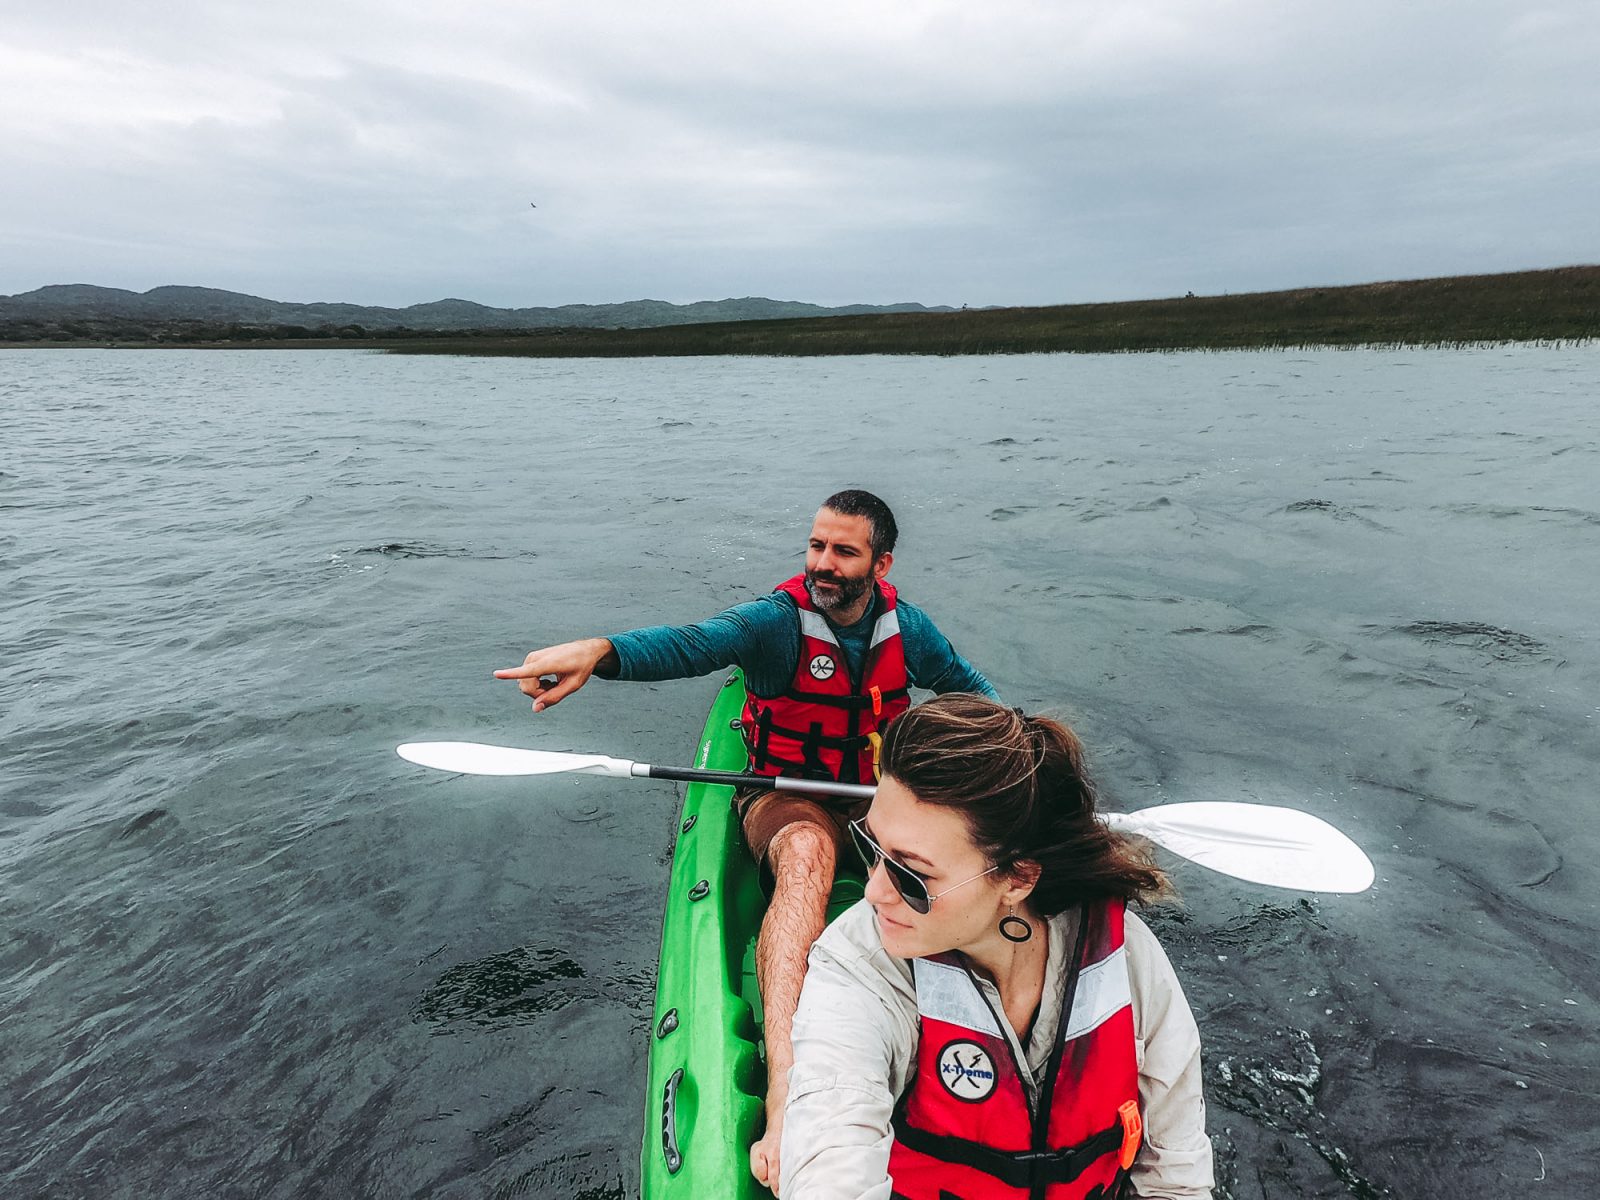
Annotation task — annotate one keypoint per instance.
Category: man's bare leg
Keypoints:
(802, 859)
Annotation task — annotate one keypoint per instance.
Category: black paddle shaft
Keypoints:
(782, 783)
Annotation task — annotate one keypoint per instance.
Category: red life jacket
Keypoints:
(825, 725)
(963, 1130)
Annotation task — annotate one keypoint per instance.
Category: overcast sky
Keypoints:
(982, 152)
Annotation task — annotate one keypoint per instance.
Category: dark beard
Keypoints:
(849, 591)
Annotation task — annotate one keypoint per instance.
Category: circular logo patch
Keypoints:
(967, 1071)
(822, 667)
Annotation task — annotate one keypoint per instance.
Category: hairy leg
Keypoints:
(802, 859)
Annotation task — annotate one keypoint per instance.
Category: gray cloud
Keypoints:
(951, 153)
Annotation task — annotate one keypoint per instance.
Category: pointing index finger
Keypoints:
(522, 672)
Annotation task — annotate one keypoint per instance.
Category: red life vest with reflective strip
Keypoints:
(825, 725)
(964, 1130)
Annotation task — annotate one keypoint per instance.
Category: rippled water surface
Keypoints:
(246, 951)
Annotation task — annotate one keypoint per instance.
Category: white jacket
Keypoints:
(855, 1046)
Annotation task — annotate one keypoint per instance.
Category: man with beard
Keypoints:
(828, 659)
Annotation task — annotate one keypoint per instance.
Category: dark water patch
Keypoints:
(1521, 853)
(1275, 1080)
(24, 952)
(202, 731)
(1501, 645)
(1337, 512)
(1501, 512)
(21, 807)
(518, 1129)
(1373, 476)
(676, 425)
(1262, 926)
(562, 1176)
(174, 580)
(1261, 633)
(1464, 1088)
(414, 550)
(1417, 794)
(1123, 597)
(1270, 924)
(428, 550)
(1172, 481)
(1561, 943)
(1508, 844)
(1378, 675)
(142, 822)
(1578, 514)
(161, 721)
(582, 812)
(510, 988)
(1011, 514)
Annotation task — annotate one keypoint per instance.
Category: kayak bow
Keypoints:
(707, 1072)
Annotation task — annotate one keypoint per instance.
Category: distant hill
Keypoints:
(1547, 305)
(1562, 304)
(102, 311)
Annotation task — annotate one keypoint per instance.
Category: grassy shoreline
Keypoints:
(1552, 306)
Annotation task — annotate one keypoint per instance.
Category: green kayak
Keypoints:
(707, 1072)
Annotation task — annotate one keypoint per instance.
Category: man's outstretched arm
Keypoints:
(760, 636)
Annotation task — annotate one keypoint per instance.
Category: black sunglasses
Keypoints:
(906, 881)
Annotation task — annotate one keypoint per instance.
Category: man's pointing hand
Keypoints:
(550, 675)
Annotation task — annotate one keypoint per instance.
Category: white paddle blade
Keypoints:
(475, 758)
(1262, 843)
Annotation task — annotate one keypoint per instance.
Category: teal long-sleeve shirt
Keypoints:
(763, 637)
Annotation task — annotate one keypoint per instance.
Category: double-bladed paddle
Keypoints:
(1261, 843)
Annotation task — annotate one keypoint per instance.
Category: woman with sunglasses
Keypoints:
(991, 1021)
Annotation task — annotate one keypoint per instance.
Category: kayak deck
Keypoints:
(707, 1070)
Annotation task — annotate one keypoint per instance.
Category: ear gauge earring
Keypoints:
(1014, 929)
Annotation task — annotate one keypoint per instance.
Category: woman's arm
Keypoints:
(852, 1036)
(1175, 1161)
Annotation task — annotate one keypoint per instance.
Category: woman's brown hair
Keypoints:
(1021, 783)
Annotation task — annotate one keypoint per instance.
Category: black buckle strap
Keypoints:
(811, 747)
(850, 703)
(1014, 1168)
(759, 755)
(815, 736)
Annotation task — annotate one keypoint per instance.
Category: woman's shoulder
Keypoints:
(851, 946)
(1142, 943)
(1136, 929)
(854, 934)
(1158, 996)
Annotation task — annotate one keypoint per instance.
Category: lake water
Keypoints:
(245, 951)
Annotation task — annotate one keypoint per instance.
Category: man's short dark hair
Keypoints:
(853, 502)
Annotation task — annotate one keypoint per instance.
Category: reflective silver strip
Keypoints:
(888, 626)
(815, 625)
(1103, 991)
(945, 993)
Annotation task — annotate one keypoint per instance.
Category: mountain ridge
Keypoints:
(179, 302)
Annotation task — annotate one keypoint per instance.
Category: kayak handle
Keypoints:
(669, 1123)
